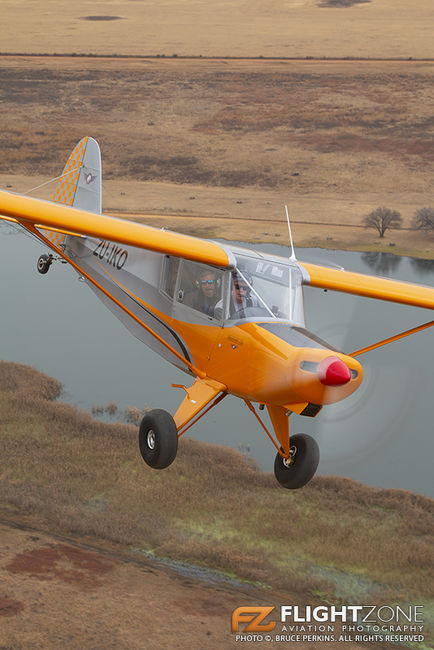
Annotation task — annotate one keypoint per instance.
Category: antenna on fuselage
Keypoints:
(292, 256)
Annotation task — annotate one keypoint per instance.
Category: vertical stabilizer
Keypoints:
(80, 183)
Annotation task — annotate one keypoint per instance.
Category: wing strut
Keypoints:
(392, 339)
(280, 424)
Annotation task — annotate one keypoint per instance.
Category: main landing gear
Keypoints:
(158, 439)
(158, 442)
(299, 468)
(44, 263)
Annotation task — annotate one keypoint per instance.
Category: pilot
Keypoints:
(205, 297)
(241, 297)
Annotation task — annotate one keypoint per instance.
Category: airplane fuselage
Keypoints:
(263, 357)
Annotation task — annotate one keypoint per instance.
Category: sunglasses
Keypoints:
(241, 287)
(207, 281)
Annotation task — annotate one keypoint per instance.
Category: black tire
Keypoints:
(305, 458)
(44, 263)
(158, 439)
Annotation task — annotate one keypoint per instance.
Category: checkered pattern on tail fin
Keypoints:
(67, 186)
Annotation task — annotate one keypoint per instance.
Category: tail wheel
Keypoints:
(299, 468)
(158, 439)
(44, 263)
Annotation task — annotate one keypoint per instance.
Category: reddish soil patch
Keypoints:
(61, 562)
(9, 606)
(135, 604)
(348, 142)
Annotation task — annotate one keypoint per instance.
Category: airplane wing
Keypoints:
(46, 214)
(366, 285)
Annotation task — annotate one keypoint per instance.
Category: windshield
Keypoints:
(263, 288)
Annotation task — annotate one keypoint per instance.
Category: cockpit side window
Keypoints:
(200, 287)
(170, 273)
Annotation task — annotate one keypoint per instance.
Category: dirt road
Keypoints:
(58, 592)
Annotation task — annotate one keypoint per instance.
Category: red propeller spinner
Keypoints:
(333, 371)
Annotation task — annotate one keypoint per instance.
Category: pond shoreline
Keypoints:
(330, 236)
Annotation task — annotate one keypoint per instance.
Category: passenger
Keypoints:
(205, 296)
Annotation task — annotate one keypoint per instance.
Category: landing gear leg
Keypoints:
(158, 439)
(44, 263)
(299, 457)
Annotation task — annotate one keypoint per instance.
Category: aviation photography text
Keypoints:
(346, 623)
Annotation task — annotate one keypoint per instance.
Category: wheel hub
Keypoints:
(150, 439)
(290, 461)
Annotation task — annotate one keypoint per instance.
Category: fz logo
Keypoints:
(253, 616)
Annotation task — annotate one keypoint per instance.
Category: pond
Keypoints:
(381, 435)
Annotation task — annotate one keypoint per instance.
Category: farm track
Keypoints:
(141, 216)
(59, 590)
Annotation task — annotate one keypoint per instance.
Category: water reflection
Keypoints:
(423, 267)
(382, 435)
(381, 263)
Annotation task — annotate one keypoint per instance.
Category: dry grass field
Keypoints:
(64, 474)
(223, 145)
(296, 28)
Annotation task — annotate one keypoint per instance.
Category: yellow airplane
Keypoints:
(231, 318)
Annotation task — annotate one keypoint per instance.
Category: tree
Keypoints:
(383, 218)
(424, 219)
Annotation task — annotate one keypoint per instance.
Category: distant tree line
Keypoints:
(382, 218)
